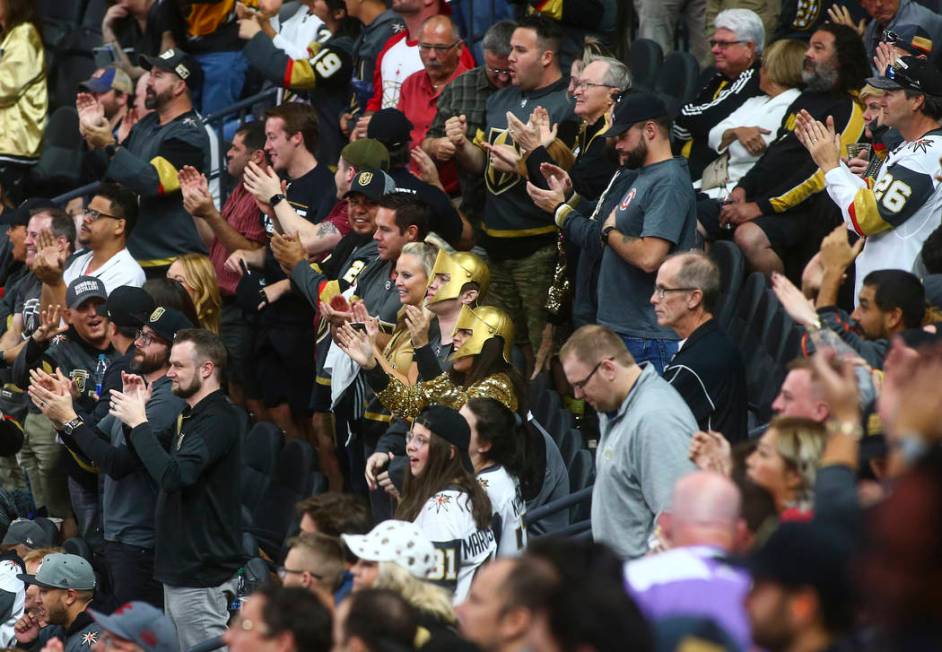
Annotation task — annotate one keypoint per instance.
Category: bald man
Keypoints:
(703, 527)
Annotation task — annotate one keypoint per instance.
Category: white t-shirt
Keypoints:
(13, 598)
(508, 507)
(121, 269)
(446, 519)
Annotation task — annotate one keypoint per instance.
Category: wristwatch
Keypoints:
(70, 427)
(606, 231)
(276, 199)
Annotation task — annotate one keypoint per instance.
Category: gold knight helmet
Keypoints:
(484, 322)
(461, 267)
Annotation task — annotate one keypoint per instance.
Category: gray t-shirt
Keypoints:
(661, 204)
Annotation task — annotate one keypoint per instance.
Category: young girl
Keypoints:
(441, 496)
(497, 457)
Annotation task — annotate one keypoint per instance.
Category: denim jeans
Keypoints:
(223, 78)
(657, 352)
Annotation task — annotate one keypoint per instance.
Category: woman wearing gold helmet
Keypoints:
(481, 366)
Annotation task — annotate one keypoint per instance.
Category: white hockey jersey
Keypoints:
(447, 521)
(897, 211)
(12, 600)
(508, 506)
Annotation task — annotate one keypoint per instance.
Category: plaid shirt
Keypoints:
(467, 94)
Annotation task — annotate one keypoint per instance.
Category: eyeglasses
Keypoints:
(438, 48)
(418, 440)
(580, 384)
(660, 290)
(587, 84)
(284, 572)
(146, 338)
(500, 71)
(97, 215)
(714, 43)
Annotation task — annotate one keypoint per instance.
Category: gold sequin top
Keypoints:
(407, 401)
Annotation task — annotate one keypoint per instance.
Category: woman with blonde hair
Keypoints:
(196, 274)
(785, 462)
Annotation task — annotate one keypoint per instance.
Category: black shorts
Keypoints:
(784, 230)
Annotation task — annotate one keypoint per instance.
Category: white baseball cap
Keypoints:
(400, 542)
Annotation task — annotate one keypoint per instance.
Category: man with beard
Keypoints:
(778, 205)
(655, 217)
(147, 161)
(198, 519)
(129, 499)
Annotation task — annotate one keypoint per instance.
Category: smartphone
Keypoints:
(244, 266)
(360, 326)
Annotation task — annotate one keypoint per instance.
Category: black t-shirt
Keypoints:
(445, 219)
(312, 196)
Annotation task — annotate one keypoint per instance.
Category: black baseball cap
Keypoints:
(21, 214)
(178, 62)
(166, 322)
(83, 289)
(372, 184)
(633, 108)
(910, 73)
(448, 424)
(129, 306)
(391, 127)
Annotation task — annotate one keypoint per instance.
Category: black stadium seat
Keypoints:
(59, 168)
(644, 60)
(259, 456)
(753, 289)
(732, 264)
(677, 78)
(581, 475)
(291, 481)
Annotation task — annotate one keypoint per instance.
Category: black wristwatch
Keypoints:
(71, 426)
(606, 231)
(276, 199)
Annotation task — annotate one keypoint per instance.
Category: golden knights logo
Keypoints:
(500, 182)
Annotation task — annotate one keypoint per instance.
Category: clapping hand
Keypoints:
(134, 383)
(91, 112)
(131, 408)
(821, 140)
(710, 451)
(288, 251)
(795, 303)
(425, 168)
(560, 187)
(262, 183)
(49, 261)
(52, 395)
(197, 200)
(417, 321)
(503, 158)
(883, 57)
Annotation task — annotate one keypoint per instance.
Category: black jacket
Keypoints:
(709, 374)
(199, 508)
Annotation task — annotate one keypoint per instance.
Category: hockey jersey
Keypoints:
(508, 507)
(895, 212)
(461, 548)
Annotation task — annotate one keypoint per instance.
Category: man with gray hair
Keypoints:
(703, 526)
(736, 46)
(467, 95)
(707, 371)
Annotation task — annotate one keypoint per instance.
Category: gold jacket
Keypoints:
(407, 401)
(23, 96)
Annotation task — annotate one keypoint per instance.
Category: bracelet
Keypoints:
(851, 429)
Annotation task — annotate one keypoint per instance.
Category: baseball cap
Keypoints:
(805, 554)
(912, 74)
(106, 79)
(84, 288)
(61, 570)
(167, 321)
(448, 424)
(24, 532)
(633, 108)
(142, 624)
(400, 542)
(176, 61)
(366, 153)
(391, 127)
(129, 306)
(912, 38)
(20, 216)
(372, 184)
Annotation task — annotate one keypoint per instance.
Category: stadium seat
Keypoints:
(569, 444)
(536, 387)
(752, 290)
(259, 456)
(71, 62)
(78, 546)
(290, 483)
(644, 60)
(50, 528)
(677, 77)
(59, 168)
(581, 475)
(732, 264)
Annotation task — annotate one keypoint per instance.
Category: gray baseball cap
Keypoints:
(142, 624)
(27, 533)
(63, 571)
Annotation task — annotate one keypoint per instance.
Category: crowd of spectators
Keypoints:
(456, 334)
